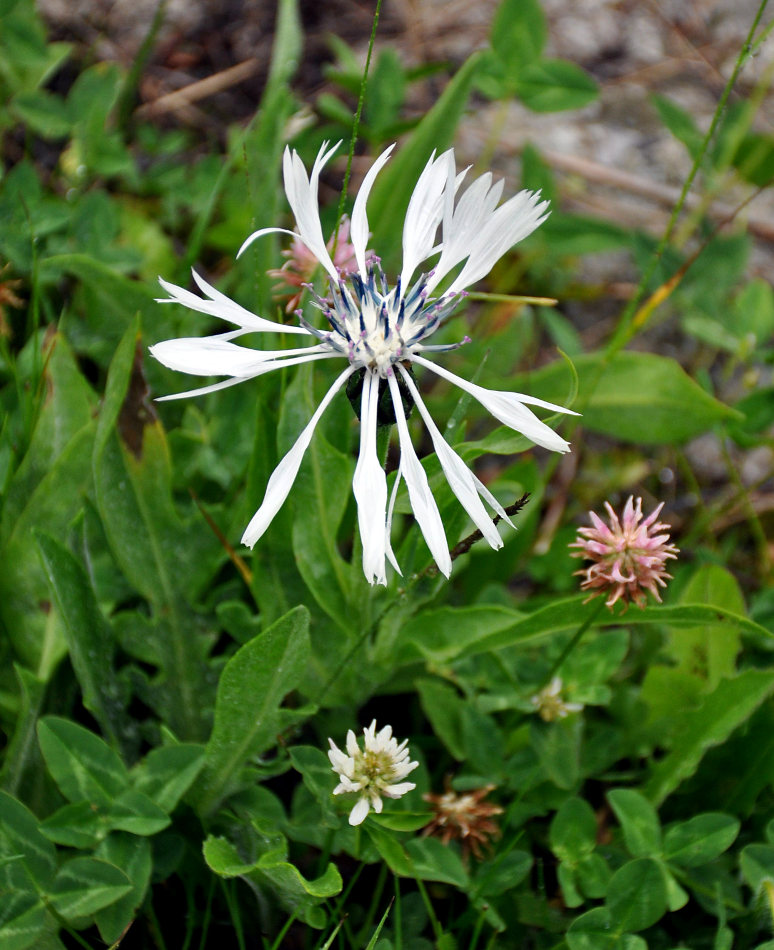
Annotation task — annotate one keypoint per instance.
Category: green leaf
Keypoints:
(700, 840)
(519, 33)
(594, 930)
(426, 859)
(294, 893)
(443, 707)
(166, 774)
(680, 123)
(83, 766)
(636, 895)
(639, 822)
(558, 746)
(88, 634)
(252, 686)
(729, 705)
(86, 885)
(573, 831)
(133, 856)
(160, 555)
(23, 921)
(638, 397)
(45, 492)
(757, 865)
(20, 835)
(77, 825)
(44, 113)
(134, 812)
(551, 85)
(709, 650)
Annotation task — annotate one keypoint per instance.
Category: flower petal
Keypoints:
(370, 486)
(284, 474)
(508, 408)
(358, 814)
(422, 501)
(359, 226)
(461, 480)
(424, 214)
(388, 529)
(216, 356)
(221, 306)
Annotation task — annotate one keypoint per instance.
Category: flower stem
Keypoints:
(576, 639)
(356, 127)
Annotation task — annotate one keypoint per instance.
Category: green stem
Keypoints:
(576, 639)
(625, 329)
(356, 127)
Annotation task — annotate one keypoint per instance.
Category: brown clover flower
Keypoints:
(465, 818)
(628, 557)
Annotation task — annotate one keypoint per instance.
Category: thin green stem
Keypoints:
(281, 935)
(356, 126)
(626, 329)
(233, 910)
(207, 914)
(434, 921)
(576, 639)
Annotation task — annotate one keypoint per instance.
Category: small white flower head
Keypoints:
(380, 330)
(549, 704)
(372, 772)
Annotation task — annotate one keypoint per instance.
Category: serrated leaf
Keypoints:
(272, 871)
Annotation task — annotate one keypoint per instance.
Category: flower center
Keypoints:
(375, 326)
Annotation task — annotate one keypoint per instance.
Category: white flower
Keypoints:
(380, 331)
(372, 772)
(549, 704)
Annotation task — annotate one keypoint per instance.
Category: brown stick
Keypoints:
(200, 89)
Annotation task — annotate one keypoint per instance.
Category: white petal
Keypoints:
(424, 214)
(461, 480)
(302, 197)
(396, 791)
(370, 486)
(359, 226)
(215, 356)
(422, 501)
(506, 226)
(284, 474)
(388, 530)
(358, 814)
(223, 307)
(202, 391)
(508, 408)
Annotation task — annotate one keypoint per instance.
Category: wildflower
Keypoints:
(549, 704)
(375, 771)
(466, 817)
(300, 264)
(381, 332)
(628, 557)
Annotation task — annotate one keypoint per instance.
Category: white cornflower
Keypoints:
(376, 770)
(549, 704)
(381, 332)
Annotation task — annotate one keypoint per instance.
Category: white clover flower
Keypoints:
(381, 332)
(373, 772)
(550, 705)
